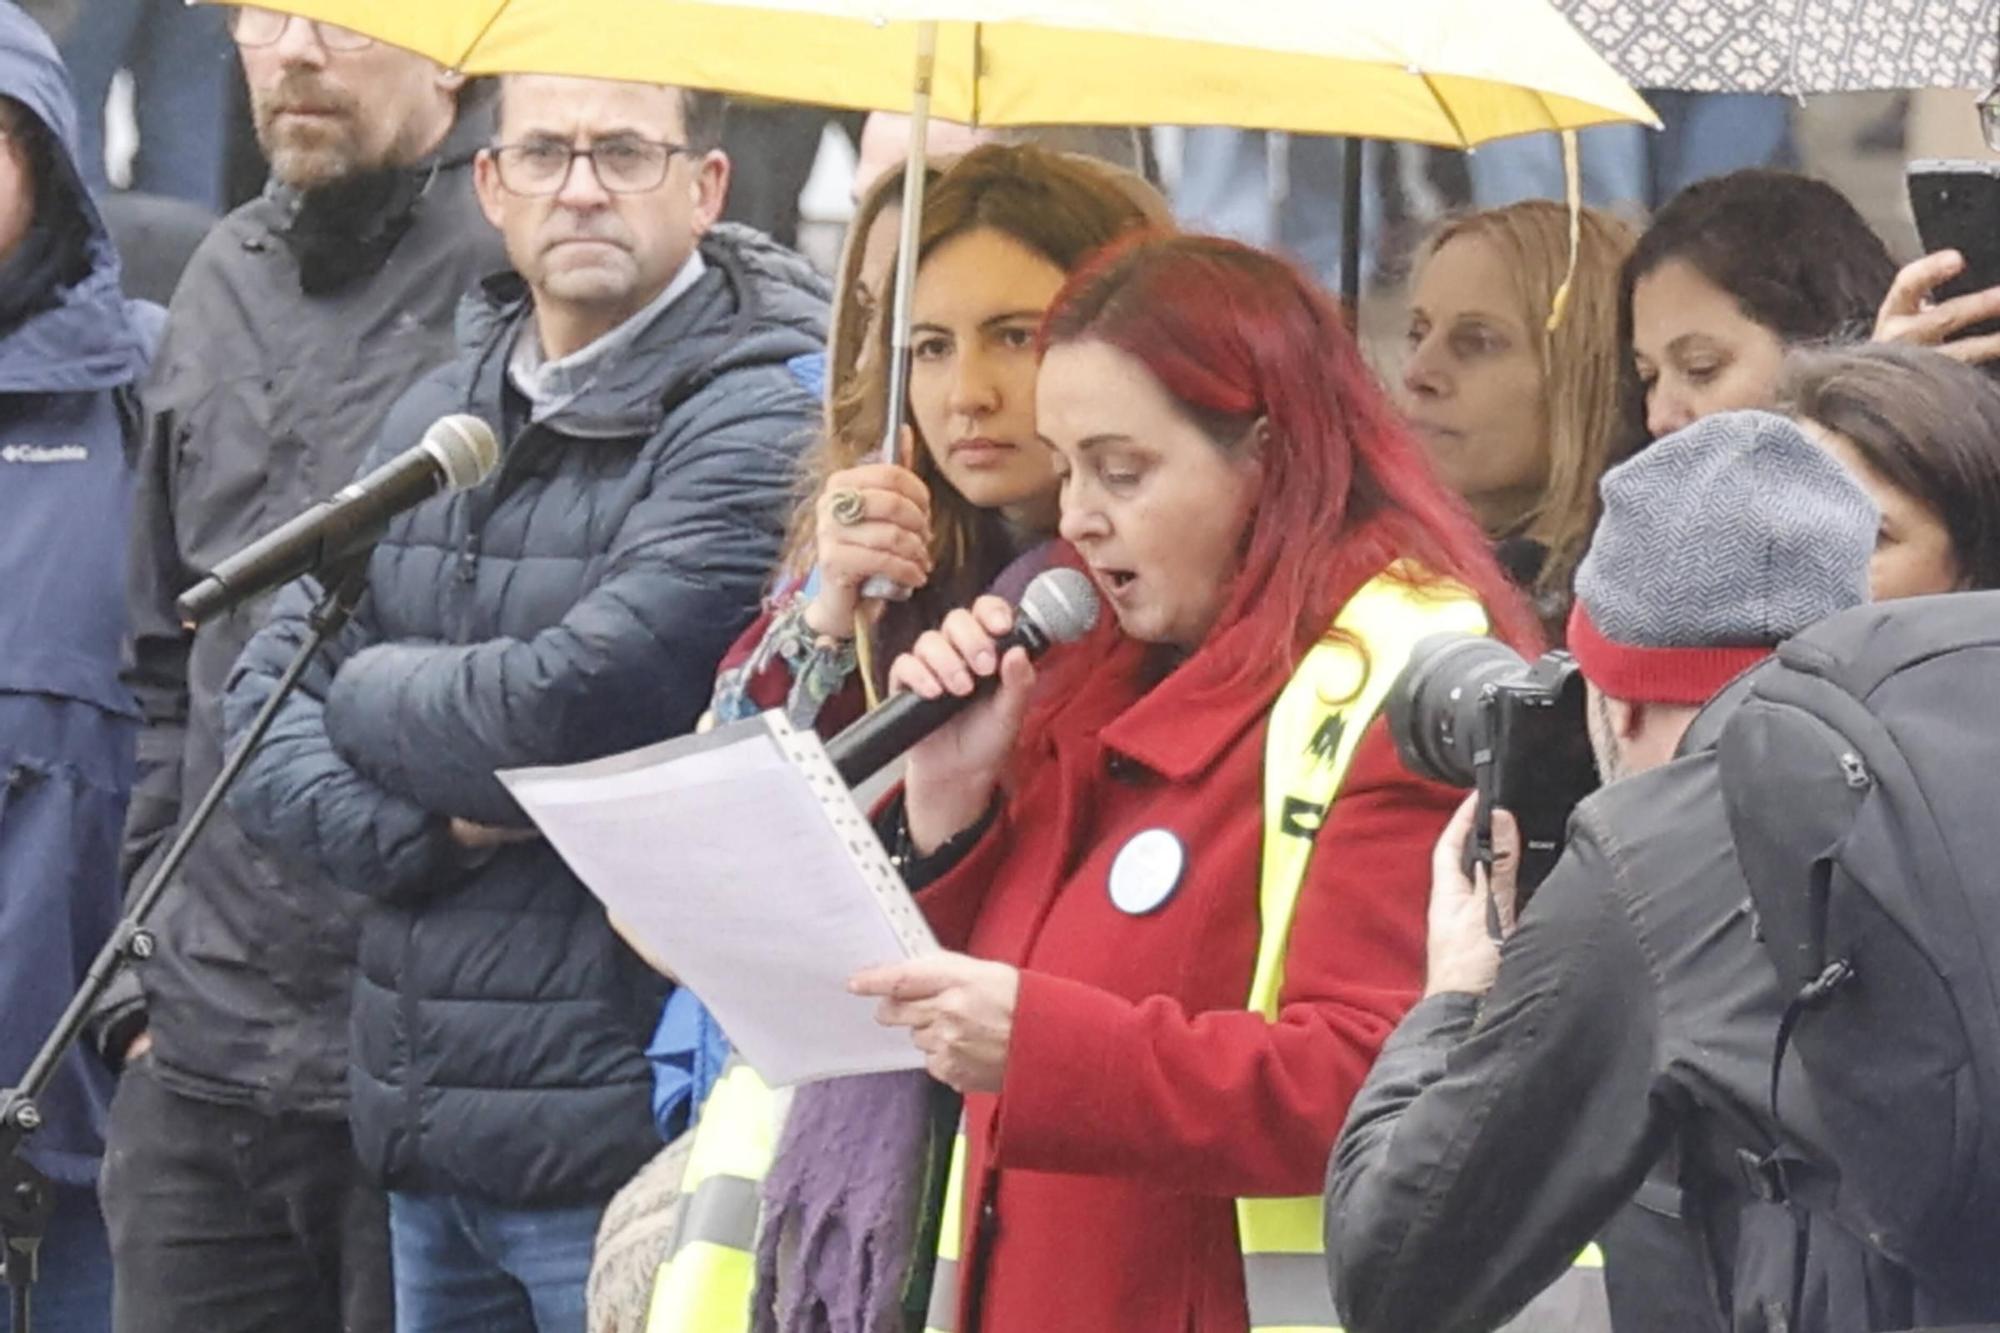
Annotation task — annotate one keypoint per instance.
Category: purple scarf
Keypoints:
(841, 1205)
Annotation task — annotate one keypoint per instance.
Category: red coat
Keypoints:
(1140, 1096)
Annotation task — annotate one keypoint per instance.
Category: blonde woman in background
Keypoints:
(1518, 417)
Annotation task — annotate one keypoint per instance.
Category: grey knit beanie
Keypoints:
(1717, 543)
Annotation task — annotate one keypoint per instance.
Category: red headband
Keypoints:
(1687, 676)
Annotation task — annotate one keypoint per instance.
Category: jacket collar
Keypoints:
(630, 393)
(1707, 727)
(755, 305)
(344, 232)
(1181, 726)
(555, 389)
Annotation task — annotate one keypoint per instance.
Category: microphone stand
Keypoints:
(26, 1199)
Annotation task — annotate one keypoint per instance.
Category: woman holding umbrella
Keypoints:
(1163, 997)
(1001, 229)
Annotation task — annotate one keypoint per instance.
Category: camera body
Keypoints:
(1470, 712)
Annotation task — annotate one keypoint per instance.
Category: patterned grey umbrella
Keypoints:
(1794, 46)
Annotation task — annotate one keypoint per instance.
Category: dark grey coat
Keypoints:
(264, 399)
(1634, 1017)
(573, 605)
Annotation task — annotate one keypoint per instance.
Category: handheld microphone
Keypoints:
(455, 453)
(1060, 606)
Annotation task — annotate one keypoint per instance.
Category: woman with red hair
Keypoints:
(1156, 1032)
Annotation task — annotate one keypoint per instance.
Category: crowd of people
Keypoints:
(1227, 1031)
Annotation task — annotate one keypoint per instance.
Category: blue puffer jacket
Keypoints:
(67, 375)
(573, 605)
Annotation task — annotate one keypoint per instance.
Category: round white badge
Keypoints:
(1147, 871)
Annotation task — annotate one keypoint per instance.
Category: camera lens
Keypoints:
(1436, 711)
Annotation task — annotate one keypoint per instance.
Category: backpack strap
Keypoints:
(1812, 995)
(1773, 1176)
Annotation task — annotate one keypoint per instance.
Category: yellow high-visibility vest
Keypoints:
(705, 1284)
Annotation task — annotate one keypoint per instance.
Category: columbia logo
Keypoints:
(44, 453)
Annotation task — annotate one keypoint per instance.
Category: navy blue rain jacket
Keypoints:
(67, 423)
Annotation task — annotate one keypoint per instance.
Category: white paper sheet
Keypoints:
(742, 863)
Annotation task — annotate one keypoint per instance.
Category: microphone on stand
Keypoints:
(456, 452)
(1060, 606)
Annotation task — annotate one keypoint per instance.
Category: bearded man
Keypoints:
(230, 1183)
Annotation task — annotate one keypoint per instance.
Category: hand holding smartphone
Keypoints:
(1950, 299)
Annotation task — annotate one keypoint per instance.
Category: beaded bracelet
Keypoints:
(819, 664)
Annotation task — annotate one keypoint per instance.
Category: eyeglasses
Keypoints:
(625, 164)
(1989, 117)
(252, 26)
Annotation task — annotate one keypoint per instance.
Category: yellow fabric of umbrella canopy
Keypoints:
(1448, 72)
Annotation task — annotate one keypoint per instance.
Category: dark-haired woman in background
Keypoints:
(1921, 432)
(1733, 272)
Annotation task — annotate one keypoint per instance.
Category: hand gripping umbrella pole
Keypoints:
(915, 168)
(26, 1198)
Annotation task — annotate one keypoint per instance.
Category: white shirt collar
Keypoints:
(550, 386)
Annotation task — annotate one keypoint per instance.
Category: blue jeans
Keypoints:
(1225, 187)
(464, 1265)
(182, 63)
(73, 1293)
(1712, 134)
(1704, 134)
(1611, 160)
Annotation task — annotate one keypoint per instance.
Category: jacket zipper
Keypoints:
(413, 1102)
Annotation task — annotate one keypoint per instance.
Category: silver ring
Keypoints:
(847, 507)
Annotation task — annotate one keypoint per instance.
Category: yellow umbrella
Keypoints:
(1448, 72)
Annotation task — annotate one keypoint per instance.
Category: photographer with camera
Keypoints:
(1627, 1020)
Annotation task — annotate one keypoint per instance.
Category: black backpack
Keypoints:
(1862, 776)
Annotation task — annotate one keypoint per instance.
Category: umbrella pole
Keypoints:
(915, 169)
(1350, 232)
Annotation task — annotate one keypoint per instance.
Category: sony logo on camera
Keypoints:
(1469, 711)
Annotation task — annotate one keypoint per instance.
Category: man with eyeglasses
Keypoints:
(232, 1190)
(646, 370)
